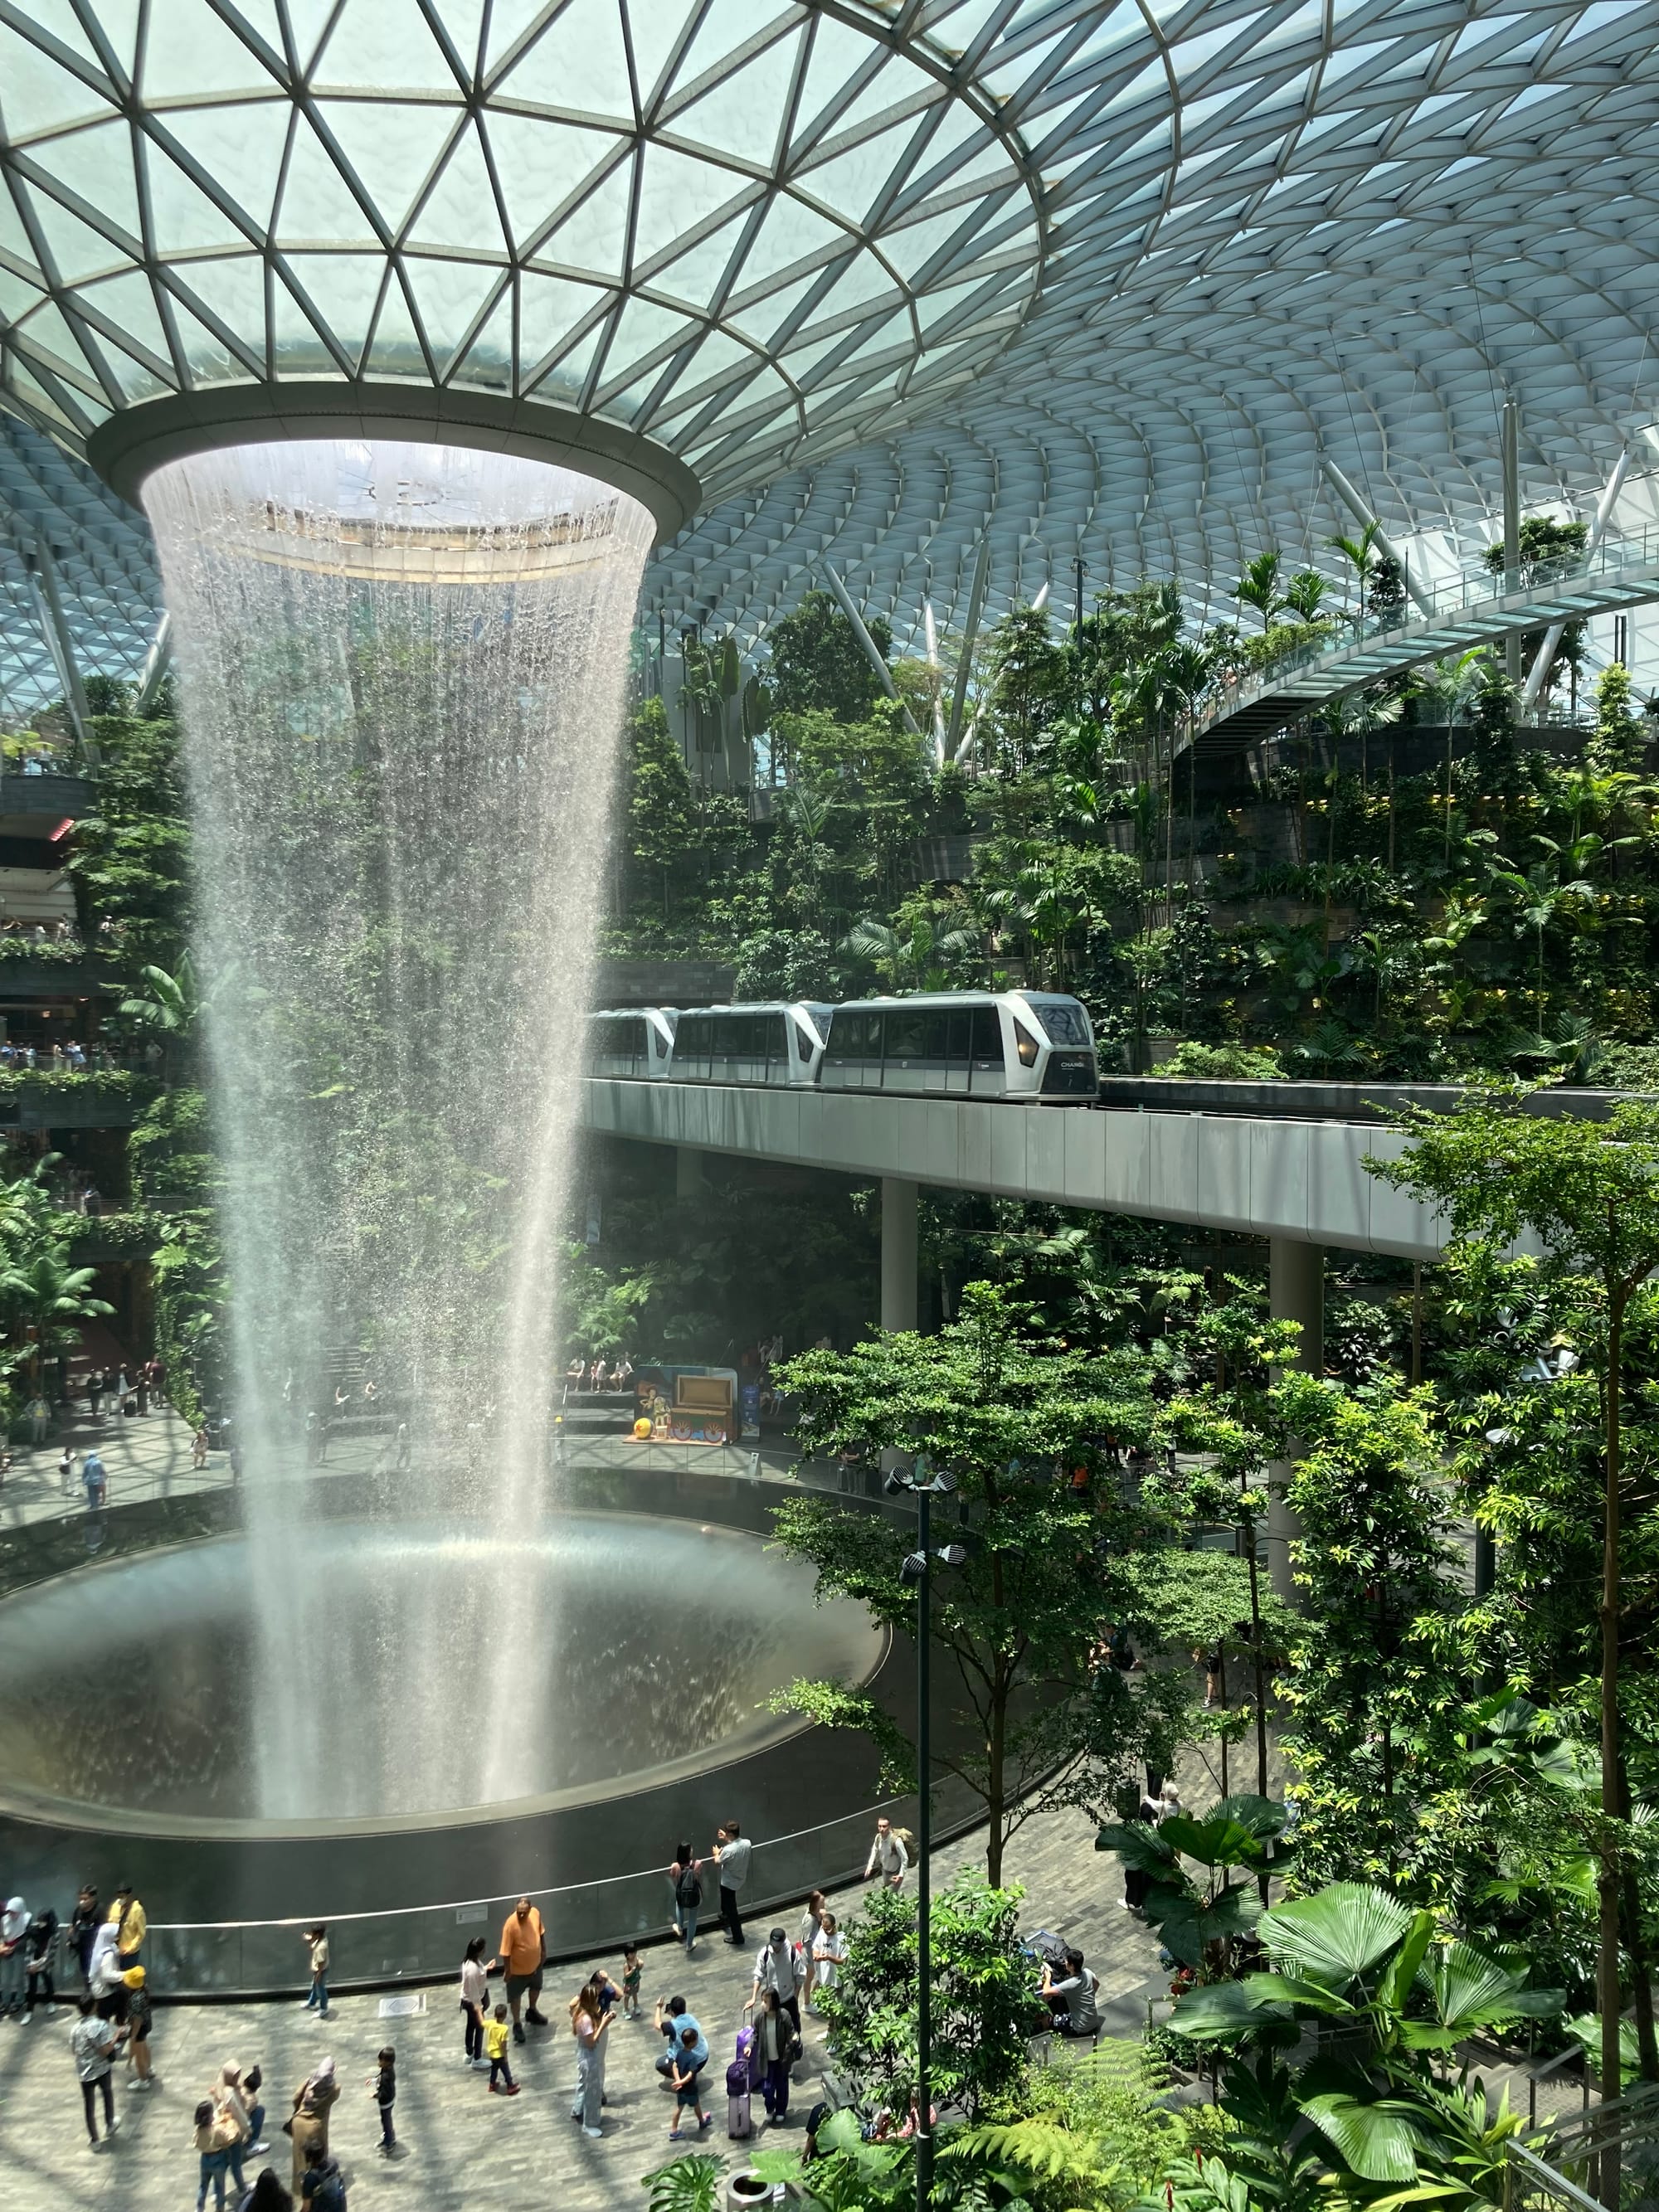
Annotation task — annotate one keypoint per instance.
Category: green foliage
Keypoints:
(817, 664)
(1223, 1063)
(984, 1995)
(687, 2183)
(130, 861)
(834, 1705)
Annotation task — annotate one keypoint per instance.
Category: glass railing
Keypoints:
(1616, 555)
(585, 1920)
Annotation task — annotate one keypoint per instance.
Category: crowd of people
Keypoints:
(596, 1375)
(784, 1979)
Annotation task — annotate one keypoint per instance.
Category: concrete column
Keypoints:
(898, 1252)
(688, 1172)
(1296, 1291)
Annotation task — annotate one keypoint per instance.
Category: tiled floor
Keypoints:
(459, 2146)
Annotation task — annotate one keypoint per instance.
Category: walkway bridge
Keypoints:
(1621, 571)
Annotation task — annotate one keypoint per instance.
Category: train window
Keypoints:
(777, 1038)
(855, 1036)
(985, 1038)
(1065, 1023)
(805, 1044)
(906, 1034)
(959, 1024)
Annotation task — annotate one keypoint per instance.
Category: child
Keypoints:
(139, 2019)
(316, 1943)
(683, 2076)
(829, 1949)
(385, 2085)
(632, 1971)
(496, 2034)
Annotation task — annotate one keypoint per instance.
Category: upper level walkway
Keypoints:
(1622, 571)
(1302, 1181)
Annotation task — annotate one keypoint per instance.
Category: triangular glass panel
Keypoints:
(676, 192)
(128, 303)
(391, 147)
(594, 236)
(909, 250)
(839, 52)
(14, 238)
(642, 328)
(790, 234)
(242, 147)
(624, 406)
(77, 250)
(36, 94)
(772, 310)
(461, 210)
(957, 28)
(726, 25)
(309, 19)
(462, 21)
(184, 219)
(864, 279)
(488, 364)
(539, 164)
(59, 19)
(384, 45)
(448, 296)
(233, 290)
(509, 21)
(17, 295)
(188, 49)
(206, 358)
(900, 85)
(344, 289)
(741, 115)
(550, 308)
(395, 349)
(96, 166)
(296, 347)
(579, 64)
(318, 205)
(38, 398)
(718, 353)
(695, 276)
(852, 182)
(564, 382)
(654, 31)
(137, 380)
(46, 329)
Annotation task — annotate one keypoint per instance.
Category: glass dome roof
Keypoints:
(1095, 277)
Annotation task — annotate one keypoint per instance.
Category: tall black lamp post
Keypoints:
(924, 1483)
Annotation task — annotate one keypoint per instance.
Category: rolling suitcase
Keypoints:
(740, 2126)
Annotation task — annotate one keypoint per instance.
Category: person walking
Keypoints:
(777, 2041)
(199, 1449)
(95, 1394)
(888, 1857)
(777, 1969)
(95, 1475)
(316, 1943)
(590, 2019)
(685, 1875)
(828, 1950)
(68, 1472)
(212, 2142)
(92, 2046)
(383, 2082)
(495, 2045)
(732, 1853)
(684, 2078)
(314, 2101)
(521, 1955)
(475, 2000)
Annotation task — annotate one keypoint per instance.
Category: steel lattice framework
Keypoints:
(1099, 278)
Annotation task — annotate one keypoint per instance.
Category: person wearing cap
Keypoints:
(138, 2028)
(778, 1967)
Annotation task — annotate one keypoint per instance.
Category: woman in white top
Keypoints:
(811, 1920)
(829, 1949)
(475, 2000)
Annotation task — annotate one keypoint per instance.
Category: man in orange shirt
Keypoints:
(524, 1948)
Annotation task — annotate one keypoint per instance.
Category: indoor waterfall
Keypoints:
(402, 673)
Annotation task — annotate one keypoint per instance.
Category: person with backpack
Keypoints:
(685, 1876)
(888, 1857)
(778, 1971)
(322, 2185)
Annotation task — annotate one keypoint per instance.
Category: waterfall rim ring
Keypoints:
(85, 1816)
(128, 448)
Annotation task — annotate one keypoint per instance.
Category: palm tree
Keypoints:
(1540, 896)
(1258, 587)
(1304, 593)
(923, 955)
(1360, 551)
(50, 1301)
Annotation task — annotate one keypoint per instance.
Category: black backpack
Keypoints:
(687, 1890)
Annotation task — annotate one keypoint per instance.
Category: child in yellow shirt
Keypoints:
(496, 2031)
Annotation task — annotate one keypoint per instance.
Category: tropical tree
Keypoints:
(1590, 1192)
(1258, 587)
(1360, 553)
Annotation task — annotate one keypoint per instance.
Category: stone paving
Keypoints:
(460, 2146)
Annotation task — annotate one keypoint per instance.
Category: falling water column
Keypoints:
(402, 671)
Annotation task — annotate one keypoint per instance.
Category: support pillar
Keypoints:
(688, 1172)
(1512, 527)
(898, 1254)
(1296, 1291)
